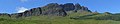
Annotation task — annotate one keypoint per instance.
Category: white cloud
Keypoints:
(21, 9)
(23, 0)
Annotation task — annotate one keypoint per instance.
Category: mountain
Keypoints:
(54, 13)
(53, 9)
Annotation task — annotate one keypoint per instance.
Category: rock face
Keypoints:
(81, 8)
(77, 7)
(68, 6)
(53, 9)
(31, 12)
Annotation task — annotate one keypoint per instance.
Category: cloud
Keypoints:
(23, 0)
(21, 9)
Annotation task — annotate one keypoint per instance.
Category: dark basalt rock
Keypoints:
(53, 9)
(35, 12)
(85, 9)
(31, 12)
(68, 6)
(78, 6)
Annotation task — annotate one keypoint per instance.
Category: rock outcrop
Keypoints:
(77, 7)
(53, 9)
(68, 6)
(31, 12)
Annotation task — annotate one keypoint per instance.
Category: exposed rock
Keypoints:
(34, 12)
(31, 12)
(85, 9)
(77, 7)
(54, 9)
(68, 6)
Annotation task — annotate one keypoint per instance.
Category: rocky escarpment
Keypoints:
(53, 9)
(31, 12)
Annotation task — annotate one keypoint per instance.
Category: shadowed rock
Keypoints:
(78, 6)
(68, 6)
(54, 9)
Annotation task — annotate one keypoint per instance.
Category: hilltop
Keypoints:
(54, 9)
(54, 13)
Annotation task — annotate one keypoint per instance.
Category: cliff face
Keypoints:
(54, 9)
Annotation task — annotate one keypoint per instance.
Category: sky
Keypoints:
(17, 6)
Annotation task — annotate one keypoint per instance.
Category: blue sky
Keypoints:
(16, 6)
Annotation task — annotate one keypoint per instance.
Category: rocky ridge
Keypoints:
(53, 9)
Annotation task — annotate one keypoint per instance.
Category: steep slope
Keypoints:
(54, 9)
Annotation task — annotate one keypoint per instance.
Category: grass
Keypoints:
(44, 19)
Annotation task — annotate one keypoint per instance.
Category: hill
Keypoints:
(54, 9)
(54, 13)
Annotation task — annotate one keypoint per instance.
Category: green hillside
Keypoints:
(74, 18)
(55, 13)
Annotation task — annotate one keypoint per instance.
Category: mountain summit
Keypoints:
(53, 9)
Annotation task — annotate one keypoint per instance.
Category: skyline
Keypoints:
(16, 6)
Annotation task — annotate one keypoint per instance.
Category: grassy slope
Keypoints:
(53, 20)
